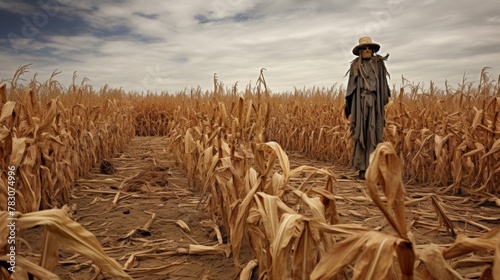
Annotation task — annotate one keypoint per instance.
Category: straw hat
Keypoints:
(365, 41)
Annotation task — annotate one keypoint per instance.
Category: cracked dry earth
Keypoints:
(146, 217)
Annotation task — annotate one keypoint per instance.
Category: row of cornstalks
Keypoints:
(151, 114)
(449, 138)
(52, 137)
(446, 138)
(49, 137)
(294, 230)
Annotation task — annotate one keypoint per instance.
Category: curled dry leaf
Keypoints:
(435, 265)
(246, 272)
(289, 227)
(306, 254)
(195, 249)
(130, 263)
(70, 235)
(183, 225)
(28, 266)
(7, 110)
(385, 170)
(464, 245)
(443, 218)
(373, 251)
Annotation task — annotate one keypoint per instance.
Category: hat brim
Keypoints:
(375, 48)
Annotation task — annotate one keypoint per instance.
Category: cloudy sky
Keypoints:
(171, 45)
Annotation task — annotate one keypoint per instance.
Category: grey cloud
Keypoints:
(170, 45)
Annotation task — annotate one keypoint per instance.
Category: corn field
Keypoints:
(446, 138)
(233, 145)
(53, 137)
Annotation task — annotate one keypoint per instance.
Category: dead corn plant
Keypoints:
(49, 137)
(52, 139)
(447, 138)
(60, 232)
(246, 180)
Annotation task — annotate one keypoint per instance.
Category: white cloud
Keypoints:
(169, 45)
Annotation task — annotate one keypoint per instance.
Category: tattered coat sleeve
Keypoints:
(352, 86)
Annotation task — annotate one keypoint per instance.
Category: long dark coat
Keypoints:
(366, 109)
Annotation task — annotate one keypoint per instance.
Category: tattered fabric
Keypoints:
(365, 102)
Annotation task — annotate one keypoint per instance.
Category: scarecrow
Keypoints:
(367, 94)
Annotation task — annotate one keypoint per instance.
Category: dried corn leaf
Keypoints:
(282, 157)
(331, 212)
(259, 245)
(464, 245)
(472, 261)
(495, 147)
(241, 220)
(4, 133)
(20, 274)
(478, 118)
(315, 204)
(311, 170)
(377, 257)
(435, 265)
(130, 263)
(183, 225)
(479, 148)
(72, 235)
(441, 212)
(275, 186)
(50, 255)
(385, 170)
(305, 254)
(406, 258)
(268, 207)
(246, 272)
(34, 269)
(195, 249)
(7, 110)
(48, 117)
(373, 250)
(289, 227)
(18, 149)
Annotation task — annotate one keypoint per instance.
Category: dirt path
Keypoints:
(155, 185)
(142, 219)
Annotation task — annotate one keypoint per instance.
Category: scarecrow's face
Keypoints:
(366, 52)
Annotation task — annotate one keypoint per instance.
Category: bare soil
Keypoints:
(151, 183)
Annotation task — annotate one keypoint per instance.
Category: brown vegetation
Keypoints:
(232, 145)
